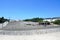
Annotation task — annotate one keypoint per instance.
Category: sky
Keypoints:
(25, 9)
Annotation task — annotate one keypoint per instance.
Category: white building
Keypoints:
(51, 19)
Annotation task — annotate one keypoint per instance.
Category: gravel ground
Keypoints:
(49, 36)
(21, 31)
(21, 28)
(26, 26)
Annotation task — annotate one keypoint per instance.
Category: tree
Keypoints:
(2, 20)
(57, 22)
(35, 19)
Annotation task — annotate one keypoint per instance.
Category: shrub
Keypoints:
(57, 22)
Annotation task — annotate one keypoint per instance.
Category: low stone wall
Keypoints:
(29, 32)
